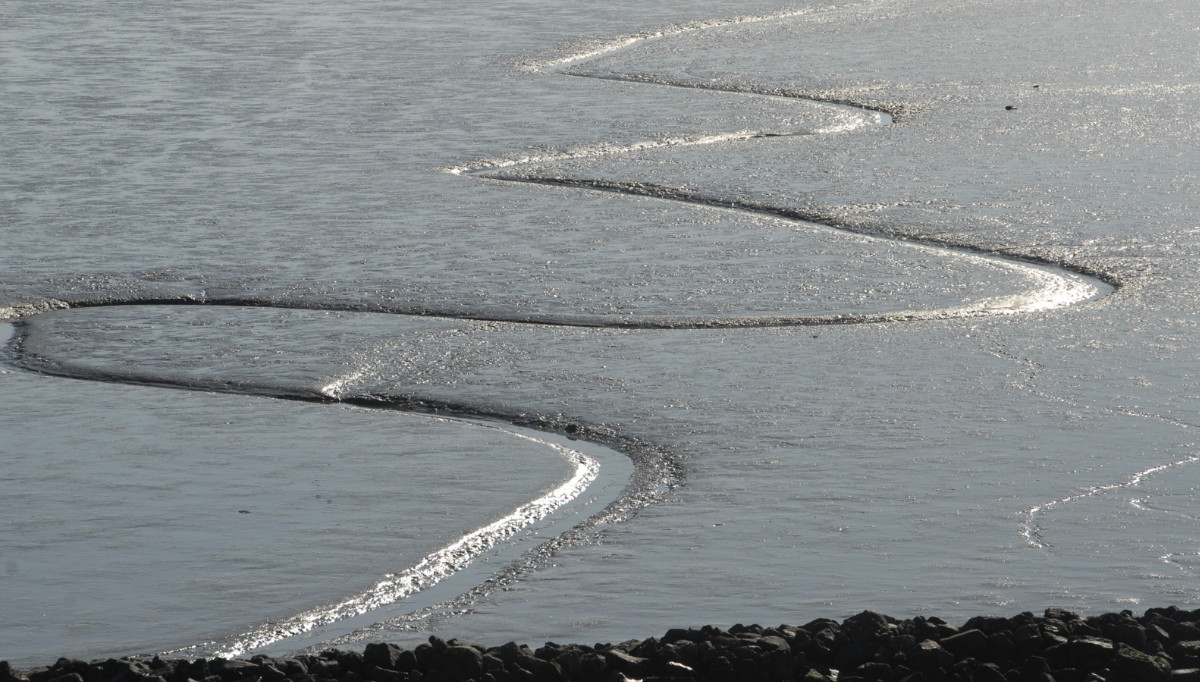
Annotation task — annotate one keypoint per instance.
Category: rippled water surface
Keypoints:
(550, 322)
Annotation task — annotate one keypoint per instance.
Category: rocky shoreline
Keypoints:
(1059, 646)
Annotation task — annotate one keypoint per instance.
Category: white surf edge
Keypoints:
(431, 570)
(1032, 531)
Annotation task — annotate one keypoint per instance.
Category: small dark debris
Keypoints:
(1011, 107)
(243, 511)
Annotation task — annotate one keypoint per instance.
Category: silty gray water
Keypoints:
(590, 386)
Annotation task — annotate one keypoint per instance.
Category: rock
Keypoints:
(967, 644)
(382, 655)
(679, 635)
(863, 634)
(775, 664)
(1057, 647)
(1184, 631)
(773, 643)
(322, 669)
(987, 624)
(10, 674)
(1061, 615)
(1000, 647)
(929, 654)
(627, 664)
(987, 672)
(235, 670)
(1084, 653)
(873, 672)
(378, 674)
(1186, 653)
(462, 663)
(1139, 666)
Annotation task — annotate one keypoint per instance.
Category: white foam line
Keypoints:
(1056, 287)
(605, 150)
(1032, 532)
(623, 42)
(620, 43)
(431, 570)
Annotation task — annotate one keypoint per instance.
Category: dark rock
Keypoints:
(125, 670)
(1084, 629)
(510, 652)
(679, 635)
(322, 669)
(647, 649)
(348, 661)
(745, 668)
(740, 629)
(929, 654)
(1184, 631)
(863, 634)
(462, 663)
(1139, 666)
(427, 656)
(720, 669)
(1028, 639)
(1157, 627)
(987, 624)
(1061, 615)
(1057, 647)
(774, 643)
(492, 662)
(821, 625)
(987, 672)
(10, 674)
(871, 672)
(1130, 632)
(1186, 653)
(39, 674)
(543, 671)
(235, 670)
(775, 664)
(269, 672)
(1000, 647)
(378, 674)
(1052, 639)
(381, 655)
(967, 644)
(816, 651)
(922, 628)
(1084, 653)
(748, 652)
(627, 664)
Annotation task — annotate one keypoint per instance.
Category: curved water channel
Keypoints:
(1058, 286)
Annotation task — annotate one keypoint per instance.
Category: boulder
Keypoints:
(1140, 666)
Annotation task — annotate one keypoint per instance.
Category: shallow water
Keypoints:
(977, 443)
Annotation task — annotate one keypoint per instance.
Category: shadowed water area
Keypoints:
(669, 315)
